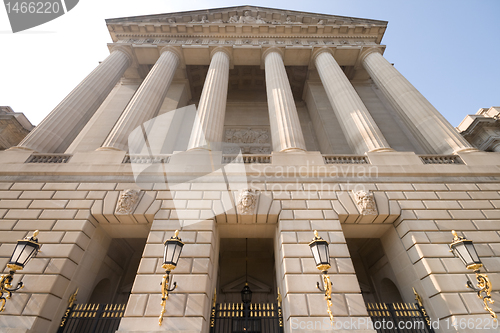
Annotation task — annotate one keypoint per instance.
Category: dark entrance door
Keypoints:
(246, 318)
(92, 318)
(399, 318)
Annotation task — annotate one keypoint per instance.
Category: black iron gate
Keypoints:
(399, 318)
(247, 318)
(91, 318)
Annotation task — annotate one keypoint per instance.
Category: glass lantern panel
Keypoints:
(14, 259)
(324, 253)
(169, 253)
(472, 252)
(463, 254)
(30, 250)
(177, 253)
(24, 251)
(315, 252)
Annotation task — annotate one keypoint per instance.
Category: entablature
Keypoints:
(246, 52)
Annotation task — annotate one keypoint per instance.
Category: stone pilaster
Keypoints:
(56, 132)
(209, 126)
(358, 125)
(441, 137)
(284, 120)
(146, 101)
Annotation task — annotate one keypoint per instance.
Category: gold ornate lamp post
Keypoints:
(23, 252)
(173, 249)
(465, 250)
(320, 251)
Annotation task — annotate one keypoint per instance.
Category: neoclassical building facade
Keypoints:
(246, 129)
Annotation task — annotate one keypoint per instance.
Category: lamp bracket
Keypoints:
(6, 287)
(165, 283)
(327, 283)
(483, 290)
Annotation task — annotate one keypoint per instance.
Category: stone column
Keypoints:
(357, 124)
(56, 132)
(146, 101)
(440, 135)
(284, 120)
(209, 125)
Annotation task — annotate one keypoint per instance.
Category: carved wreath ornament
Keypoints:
(247, 202)
(127, 201)
(366, 202)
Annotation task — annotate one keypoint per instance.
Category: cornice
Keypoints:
(479, 124)
(240, 36)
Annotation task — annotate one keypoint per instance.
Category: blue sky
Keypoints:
(449, 50)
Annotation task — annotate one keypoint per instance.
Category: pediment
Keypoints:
(247, 15)
(244, 19)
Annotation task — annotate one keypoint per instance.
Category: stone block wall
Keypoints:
(77, 222)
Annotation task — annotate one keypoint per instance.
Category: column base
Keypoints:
(381, 150)
(466, 150)
(108, 149)
(98, 157)
(297, 157)
(15, 155)
(19, 148)
(291, 150)
(199, 149)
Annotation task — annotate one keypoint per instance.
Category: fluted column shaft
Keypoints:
(286, 132)
(56, 132)
(146, 101)
(439, 134)
(208, 130)
(358, 125)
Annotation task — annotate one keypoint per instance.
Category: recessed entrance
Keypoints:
(246, 288)
(373, 270)
(112, 287)
(246, 260)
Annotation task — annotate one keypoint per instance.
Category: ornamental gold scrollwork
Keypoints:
(164, 295)
(327, 283)
(483, 290)
(6, 287)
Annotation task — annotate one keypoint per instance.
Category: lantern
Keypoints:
(320, 252)
(173, 249)
(23, 252)
(246, 294)
(465, 250)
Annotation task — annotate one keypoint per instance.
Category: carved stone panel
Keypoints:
(366, 202)
(250, 140)
(247, 202)
(127, 202)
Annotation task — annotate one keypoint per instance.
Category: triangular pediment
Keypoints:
(237, 20)
(247, 15)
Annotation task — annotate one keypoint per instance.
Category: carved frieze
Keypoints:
(247, 135)
(365, 200)
(247, 141)
(127, 202)
(246, 41)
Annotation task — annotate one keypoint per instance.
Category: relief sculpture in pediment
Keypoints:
(247, 18)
